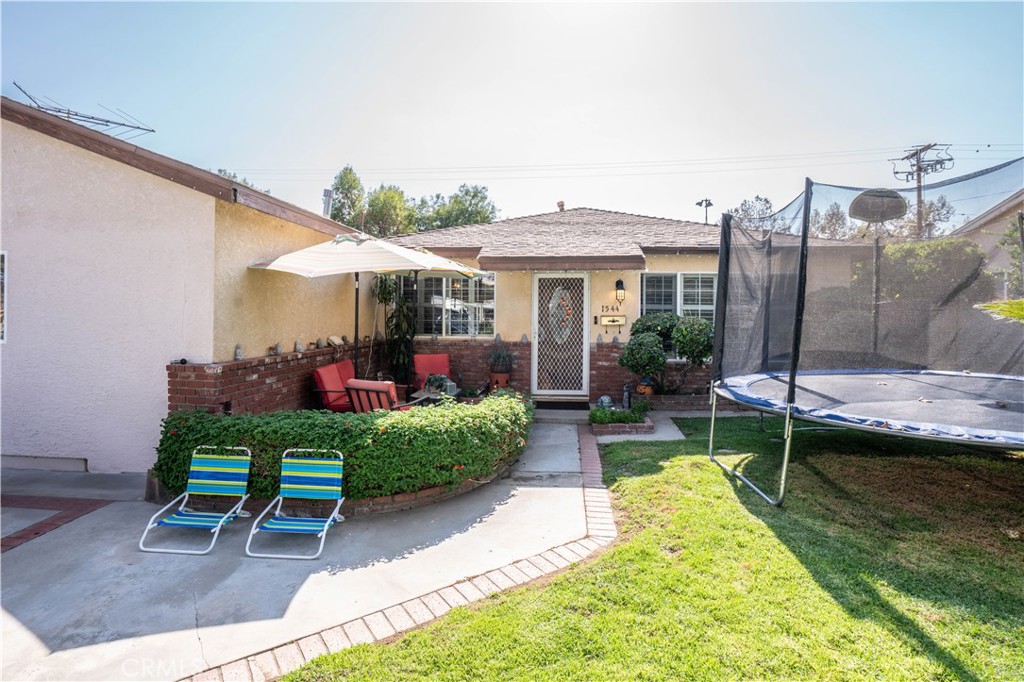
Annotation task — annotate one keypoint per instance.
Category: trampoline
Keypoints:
(988, 409)
(850, 309)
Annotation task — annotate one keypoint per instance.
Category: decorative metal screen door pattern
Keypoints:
(560, 359)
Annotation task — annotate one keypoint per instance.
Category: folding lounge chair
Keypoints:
(307, 478)
(209, 474)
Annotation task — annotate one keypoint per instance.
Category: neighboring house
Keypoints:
(552, 293)
(119, 261)
(989, 228)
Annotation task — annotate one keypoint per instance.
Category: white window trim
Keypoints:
(679, 293)
(643, 289)
(3, 293)
(455, 337)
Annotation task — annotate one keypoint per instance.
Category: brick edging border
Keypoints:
(67, 510)
(601, 531)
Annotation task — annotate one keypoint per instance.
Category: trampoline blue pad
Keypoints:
(985, 409)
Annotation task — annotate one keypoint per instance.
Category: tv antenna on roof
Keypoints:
(122, 129)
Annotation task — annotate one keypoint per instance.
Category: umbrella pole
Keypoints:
(355, 360)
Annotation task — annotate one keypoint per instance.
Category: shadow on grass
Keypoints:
(934, 523)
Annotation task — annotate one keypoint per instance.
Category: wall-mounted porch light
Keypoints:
(620, 291)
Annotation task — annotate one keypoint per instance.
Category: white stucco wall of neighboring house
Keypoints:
(110, 272)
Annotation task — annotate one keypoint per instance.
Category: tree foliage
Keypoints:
(468, 206)
(758, 213)
(936, 271)
(387, 211)
(233, 177)
(349, 201)
(832, 224)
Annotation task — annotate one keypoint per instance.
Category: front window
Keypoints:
(697, 296)
(659, 294)
(686, 294)
(452, 305)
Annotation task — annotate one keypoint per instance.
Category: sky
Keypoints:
(640, 108)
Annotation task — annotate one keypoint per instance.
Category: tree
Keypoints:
(389, 212)
(936, 212)
(758, 213)
(832, 224)
(468, 206)
(233, 177)
(349, 201)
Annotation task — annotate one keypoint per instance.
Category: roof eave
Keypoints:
(507, 263)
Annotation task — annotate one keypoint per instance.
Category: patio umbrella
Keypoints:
(360, 253)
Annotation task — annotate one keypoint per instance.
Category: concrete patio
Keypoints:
(81, 602)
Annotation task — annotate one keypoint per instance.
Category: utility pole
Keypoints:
(919, 167)
(706, 203)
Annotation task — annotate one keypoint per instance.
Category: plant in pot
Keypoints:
(500, 361)
(644, 356)
(399, 328)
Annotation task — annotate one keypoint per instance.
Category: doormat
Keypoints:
(559, 405)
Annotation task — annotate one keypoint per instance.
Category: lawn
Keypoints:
(891, 559)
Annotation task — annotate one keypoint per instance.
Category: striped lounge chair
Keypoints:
(213, 471)
(308, 478)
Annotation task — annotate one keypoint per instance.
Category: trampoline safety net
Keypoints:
(865, 282)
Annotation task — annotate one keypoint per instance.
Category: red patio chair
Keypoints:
(330, 384)
(367, 396)
(426, 364)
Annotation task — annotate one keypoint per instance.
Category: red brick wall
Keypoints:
(468, 359)
(253, 385)
(607, 376)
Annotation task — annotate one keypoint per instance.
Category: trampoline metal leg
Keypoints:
(775, 502)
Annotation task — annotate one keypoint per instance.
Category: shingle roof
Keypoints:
(585, 238)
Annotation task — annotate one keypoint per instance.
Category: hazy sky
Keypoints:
(644, 108)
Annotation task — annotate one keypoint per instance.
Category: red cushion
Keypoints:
(430, 363)
(331, 379)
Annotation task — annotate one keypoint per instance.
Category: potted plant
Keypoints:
(500, 360)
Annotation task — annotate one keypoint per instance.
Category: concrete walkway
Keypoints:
(81, 602)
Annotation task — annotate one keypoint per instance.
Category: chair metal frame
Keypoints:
(204, 518)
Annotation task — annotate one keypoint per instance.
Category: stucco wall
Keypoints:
(110, 276)
(260, 308)
(514, 307)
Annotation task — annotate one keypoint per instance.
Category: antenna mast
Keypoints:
(117, 128)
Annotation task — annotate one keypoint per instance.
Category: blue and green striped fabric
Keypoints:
(309, 478)
(292, 524)
(218, 475)
(192, 519)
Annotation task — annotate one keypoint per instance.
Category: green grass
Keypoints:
(892, 559)
(1013, 310)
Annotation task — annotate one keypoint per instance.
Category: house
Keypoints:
(988, 228)
(564, 289)
(127, 291)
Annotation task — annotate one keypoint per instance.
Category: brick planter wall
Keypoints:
(253, 385)
(620, 429)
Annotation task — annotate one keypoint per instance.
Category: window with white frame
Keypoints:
(452, 305)
(686, 294)
(697, 296)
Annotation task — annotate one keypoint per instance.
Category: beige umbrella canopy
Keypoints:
(361, 253)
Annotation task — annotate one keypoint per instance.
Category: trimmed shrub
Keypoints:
(661, 324)
(694, 338)
(386, 453)
(643, 355)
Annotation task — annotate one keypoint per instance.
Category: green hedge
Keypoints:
(386, 453)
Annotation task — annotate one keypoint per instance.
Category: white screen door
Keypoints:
(561, 336)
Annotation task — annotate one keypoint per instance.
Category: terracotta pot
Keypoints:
(499, 380)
